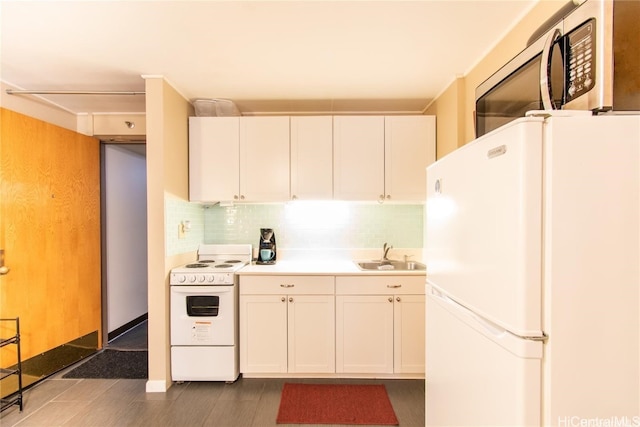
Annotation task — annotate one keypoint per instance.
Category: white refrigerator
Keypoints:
(533, 251)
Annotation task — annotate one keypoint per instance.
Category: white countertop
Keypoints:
(328, 267)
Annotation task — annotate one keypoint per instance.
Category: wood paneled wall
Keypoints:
(50, 230)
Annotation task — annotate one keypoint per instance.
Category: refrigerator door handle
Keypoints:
(488, 326)
(491, 328)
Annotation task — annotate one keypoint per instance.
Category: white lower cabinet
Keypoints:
(311, 333)
(409, 334)
(287, 324)
(364, 334)
(380, 324)
(263, 333)
(326, 325)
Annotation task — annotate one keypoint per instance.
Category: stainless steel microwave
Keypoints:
(586, 57)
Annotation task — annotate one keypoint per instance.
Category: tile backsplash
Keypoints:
(297, 225)
(318, 224)
(176, 211)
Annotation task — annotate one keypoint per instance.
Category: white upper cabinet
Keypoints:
(358, 162)
(382, 158)
(264, 159)
(410, 146)
(312, 157)
(239, 159)
(214, 158)
(275, 159)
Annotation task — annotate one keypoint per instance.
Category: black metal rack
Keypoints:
(16, 397)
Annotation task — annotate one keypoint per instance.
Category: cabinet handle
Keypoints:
(290, 299)
(283, 299)
(394, 286)
(294, 197)
(241, 197)
(235, 197)
(390, 299)
(282, 285)
(388, 196)
(398, 299)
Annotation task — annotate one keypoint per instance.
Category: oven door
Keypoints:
(203, 315)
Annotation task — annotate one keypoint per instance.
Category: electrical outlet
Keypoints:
(180, 231)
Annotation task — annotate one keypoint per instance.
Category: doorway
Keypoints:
(124, 238)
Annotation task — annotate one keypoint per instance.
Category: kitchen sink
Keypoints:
(390, 265)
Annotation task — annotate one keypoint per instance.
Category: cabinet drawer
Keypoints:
(290, 285)
(380, 285)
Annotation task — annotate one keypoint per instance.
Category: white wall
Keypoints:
(125, 198)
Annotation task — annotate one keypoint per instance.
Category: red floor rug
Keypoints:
(335, 404)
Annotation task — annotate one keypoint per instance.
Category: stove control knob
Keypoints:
(192, 278)
(211, 278)
(181, 278)
(201, 278)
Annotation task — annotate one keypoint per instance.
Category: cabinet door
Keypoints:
(264, 159)
(409, 148)
(364, 334)
(311, 334)
(263, 333)
(312, 157)
(214, 158)
(358, 163)
(409, 334)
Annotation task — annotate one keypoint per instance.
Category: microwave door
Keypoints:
(511, 98)
(518, 87)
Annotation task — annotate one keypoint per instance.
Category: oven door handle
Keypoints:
(545, 70)
(201, 290)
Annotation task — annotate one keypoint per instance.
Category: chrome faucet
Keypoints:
(385, 251)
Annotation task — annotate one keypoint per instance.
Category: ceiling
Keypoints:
(266, 56)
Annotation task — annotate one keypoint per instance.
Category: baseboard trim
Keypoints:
(43, 365)
(124, 328)
(157, 386)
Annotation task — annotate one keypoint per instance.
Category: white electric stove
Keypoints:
(204, 314)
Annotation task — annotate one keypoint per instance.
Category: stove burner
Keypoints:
(223, 266)
(198, 265)
(233, 261)
(206, 260)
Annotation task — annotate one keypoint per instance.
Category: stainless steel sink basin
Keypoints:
(390, 265)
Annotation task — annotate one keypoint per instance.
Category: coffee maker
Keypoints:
(267, 247)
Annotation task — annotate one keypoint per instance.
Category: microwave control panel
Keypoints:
(580, 60)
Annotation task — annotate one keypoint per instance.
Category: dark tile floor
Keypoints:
(247, 402)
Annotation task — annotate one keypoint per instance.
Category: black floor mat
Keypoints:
(113, 364)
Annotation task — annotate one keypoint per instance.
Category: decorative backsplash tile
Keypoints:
(178, 210)
(318, 224)
(298, 225)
